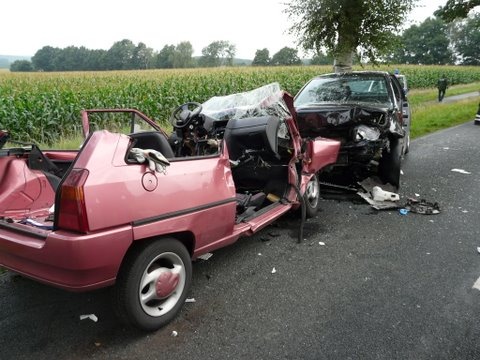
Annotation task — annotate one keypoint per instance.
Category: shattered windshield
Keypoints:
(266, 100)
(345, 89)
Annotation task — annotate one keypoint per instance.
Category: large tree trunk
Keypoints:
(343, 62)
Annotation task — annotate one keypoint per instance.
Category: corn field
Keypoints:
(41, 107)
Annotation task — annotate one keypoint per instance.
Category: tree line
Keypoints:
(433, 42)
(125, 55)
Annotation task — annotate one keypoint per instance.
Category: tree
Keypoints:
(286, 56)
(217, 53)
(365, 27)
(21, 66)
(44, 59)
(142, 56)
(466, 40)
(182, 55)
(164, 59)
(454, 9)
(120, 55)
(262, 58)
(427, 43)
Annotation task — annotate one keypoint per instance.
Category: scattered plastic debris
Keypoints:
(461, 171)
(378, 205)
(422, 207)
(190, 300)
(401, 172)
(464, 211)
(446, 148)
(403, 211)
(478, 249)
(92, 317)
(274, 271)
(174, 333)
(369, 185)
(259, 254)
(417, 195)
(321, 243)
(378, 194)
(205, 256)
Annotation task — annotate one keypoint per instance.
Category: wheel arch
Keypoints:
(187, 238)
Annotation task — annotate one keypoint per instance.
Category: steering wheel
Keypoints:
(183, 115)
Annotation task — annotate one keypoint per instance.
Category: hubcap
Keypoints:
(312, 192)
(162, 284)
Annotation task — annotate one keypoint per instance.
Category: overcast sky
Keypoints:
(28, 25)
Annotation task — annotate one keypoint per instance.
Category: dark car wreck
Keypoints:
(367, 111)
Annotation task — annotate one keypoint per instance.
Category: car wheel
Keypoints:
(389, 167)
(312, 197)
(153, 283)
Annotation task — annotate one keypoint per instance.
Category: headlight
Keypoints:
(364, 132)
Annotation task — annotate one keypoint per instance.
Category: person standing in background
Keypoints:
(442, 87)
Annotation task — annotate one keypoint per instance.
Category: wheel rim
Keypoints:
(312, 192)
(162, 284)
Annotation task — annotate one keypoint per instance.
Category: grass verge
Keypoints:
(433, 117)
(420, 96)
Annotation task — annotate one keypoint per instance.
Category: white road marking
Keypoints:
(477, 284)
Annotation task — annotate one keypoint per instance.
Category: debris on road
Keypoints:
(380, 198)
(205, 256)
(274, 271)
(321, 243)
(378, 194)
(174, 333)
(422, 207)
(461, 171)
(190, 300)
(378, 205)
(478, 249)
(403, 211)
(92, 317)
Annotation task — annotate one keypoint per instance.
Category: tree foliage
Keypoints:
(427, 43)
(454, 9)
(182, 55)
(262, 58)
(218, 53)
(286, 56)
(21, 66)
(466, 40)
(365, 27)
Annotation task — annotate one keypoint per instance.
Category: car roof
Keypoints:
(355, 73)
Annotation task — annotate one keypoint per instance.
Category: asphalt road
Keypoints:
(384, 285)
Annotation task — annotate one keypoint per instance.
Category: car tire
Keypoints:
(153, 283)
(311, 197)
(389, 167)
(407, 144)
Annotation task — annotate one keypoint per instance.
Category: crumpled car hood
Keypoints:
(319, 119)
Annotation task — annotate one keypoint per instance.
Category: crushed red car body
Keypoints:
(132, 208)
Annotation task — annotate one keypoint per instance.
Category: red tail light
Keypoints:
(72, 213)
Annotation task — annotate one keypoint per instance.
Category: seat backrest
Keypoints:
(258, 134)
(153, 140)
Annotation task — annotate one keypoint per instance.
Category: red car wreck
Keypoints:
(133, 207)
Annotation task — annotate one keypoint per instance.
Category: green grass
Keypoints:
(429, 118)
(420, 96)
